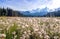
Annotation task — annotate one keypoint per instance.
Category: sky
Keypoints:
(23, 5)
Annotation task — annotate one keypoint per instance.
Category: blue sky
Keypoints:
(23, 5)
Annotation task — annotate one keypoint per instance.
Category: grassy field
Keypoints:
(29, 28)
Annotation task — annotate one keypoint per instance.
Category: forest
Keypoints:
(9, 12)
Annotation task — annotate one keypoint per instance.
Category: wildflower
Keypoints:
(46, 37)
(18, 19)
(19, 25)
(23, 26)
(36, 29)
(3, 22)
(14, 32)
(7, 22)
(55, 37)
(25, 32)
(2, 35)
(27, 25)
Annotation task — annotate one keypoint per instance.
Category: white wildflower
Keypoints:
(46, 37)
(18, 19)
(23, 26)
(27, 25)
(36, 29)
(25, 32)
(14, 32)
(2, 35)
(19, 25)
(55, 37)
(7, 22)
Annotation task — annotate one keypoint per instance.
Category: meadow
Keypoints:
(29, 28)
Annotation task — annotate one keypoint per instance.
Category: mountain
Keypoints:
(35, 13)
(53, 14)
(45, 12)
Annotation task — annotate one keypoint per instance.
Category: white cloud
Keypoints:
(54, 4)
(31, 4)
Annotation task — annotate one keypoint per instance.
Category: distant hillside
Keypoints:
(53, 14)
(34, 13)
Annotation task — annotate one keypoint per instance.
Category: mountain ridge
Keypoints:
(34, 13)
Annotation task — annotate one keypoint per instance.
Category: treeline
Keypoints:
(9, 12)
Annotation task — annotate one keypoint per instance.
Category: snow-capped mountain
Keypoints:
(39, 12)
(55, 13)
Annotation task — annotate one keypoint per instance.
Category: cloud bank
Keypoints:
(30, 4)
